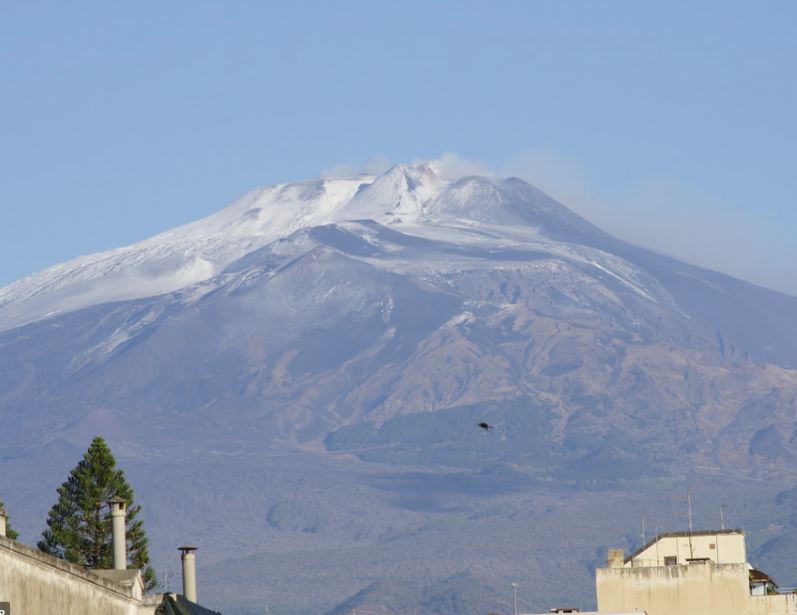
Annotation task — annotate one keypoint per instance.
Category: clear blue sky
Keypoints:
(672, 124)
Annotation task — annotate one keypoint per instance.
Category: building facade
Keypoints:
(690, 573)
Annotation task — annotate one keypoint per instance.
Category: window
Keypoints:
(670, 560)
(712, 546)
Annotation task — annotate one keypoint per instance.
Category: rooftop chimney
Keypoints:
(118, 508)
(3, 521)
(616, 558)
(189, 572)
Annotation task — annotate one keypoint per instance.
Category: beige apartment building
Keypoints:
(690, 573)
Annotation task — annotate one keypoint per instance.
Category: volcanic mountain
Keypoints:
(320, 353)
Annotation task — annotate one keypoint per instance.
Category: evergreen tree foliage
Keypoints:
(10, 532)
(79, 525)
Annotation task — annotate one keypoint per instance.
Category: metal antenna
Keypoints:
(166, 575)
(689, 500)
(689, 503)
(643, 531)
(657, 544)
(514, 593)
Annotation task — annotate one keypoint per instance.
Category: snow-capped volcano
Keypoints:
(468, 223)
(412, 196)
(379, 318)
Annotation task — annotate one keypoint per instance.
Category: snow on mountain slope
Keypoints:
(418, 197)
(176, 258)
(424, 223)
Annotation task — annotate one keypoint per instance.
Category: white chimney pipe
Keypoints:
(3, 521)
(119, 539)
(188, 558)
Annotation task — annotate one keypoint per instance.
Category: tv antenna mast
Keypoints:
(514, 594)
(643, 531)
(689, 502)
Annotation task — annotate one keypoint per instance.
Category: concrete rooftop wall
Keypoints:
(695, 589)
(38, 584)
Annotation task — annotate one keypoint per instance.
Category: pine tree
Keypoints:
(10, 532)
(79, 525)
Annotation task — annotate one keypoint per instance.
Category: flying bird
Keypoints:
(485, 426)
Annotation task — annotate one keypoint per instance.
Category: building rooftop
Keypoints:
(761, 577)
(686, 534)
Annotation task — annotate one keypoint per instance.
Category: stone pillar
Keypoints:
(3, 521)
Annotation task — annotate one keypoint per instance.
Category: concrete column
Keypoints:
(119, 537)
(188, 558)
(3, 521)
